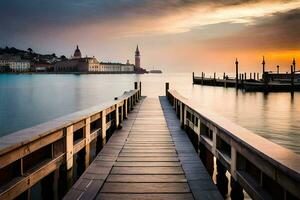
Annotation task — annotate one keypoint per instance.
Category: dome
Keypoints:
(77, 53)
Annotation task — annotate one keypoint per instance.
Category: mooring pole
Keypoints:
(193, 77)
(135, 85)
(292, 77)
(294, 65)
(236, 73)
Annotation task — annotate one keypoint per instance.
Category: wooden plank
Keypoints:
(145, 188)
(147, 164)
(140, 150)
(146, 178)
(162, 159)
(109, 196)
(145, 154)
(146, 170)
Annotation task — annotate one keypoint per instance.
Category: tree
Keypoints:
(63, 57)
(30, 50)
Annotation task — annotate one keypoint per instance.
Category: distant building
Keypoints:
(14, 64)
(137, 58)
(138, 69)
(91, 64)
(77, 53)
(117, 67)
(42, 67)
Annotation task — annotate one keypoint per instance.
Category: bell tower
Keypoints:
(137, 57)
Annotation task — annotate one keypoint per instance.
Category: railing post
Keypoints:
(87, 135)
(126, 108)
(167, 89)
(118, 122)
(233, 161)
(135, 95)
(214, 146)
(69, 147)
(222, 181)
(103, 128)
(236, 190)
(140, 94)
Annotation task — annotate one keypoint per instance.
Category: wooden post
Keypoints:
(222, 181)
(135, 85)
(69, 147)
(224, 76)
(202, 78)
(140, 93)
(214, 78)
(294, 65)
(250, 76)
(126, 108)
(254, 76)
(242, 82)
(236, 190)
(236, 73)
(257, 76)
(263, 64)
(117, 116)
(277, 69)
(87, 135)
(292, 77)
(245, 76)
(167, 89)
(193, 77)
(103, 128)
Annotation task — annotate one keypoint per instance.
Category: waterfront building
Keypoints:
(14, 64)
(91, 64)
(77, 53)
(42, 67)
(117, 67)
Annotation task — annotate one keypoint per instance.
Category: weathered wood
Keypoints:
(147, 164)
(109, 196)
(145, 188)
(147, 170)
(153, 178)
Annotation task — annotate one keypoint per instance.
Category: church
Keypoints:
(77, 63)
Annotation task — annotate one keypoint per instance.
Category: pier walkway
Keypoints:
(149, 158)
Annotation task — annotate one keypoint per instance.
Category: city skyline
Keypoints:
(173, 35)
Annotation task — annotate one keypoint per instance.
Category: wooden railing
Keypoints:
(29, 155)
(262, 168)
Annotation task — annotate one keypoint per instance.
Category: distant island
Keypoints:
(13, 60)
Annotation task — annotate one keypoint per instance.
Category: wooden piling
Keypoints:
(292, 77)
(167, 89)
(236, 74)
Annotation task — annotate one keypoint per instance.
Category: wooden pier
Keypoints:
(262, 168)
(150, 158)
(47, 153)
(146, 148)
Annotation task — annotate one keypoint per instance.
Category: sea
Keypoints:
(27, 100)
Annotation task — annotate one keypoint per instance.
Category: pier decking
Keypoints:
(149, 158)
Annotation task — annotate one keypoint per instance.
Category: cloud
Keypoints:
(278, 31)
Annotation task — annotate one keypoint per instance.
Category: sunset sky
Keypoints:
(173, 35)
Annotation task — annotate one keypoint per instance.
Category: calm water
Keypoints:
(26, 100)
